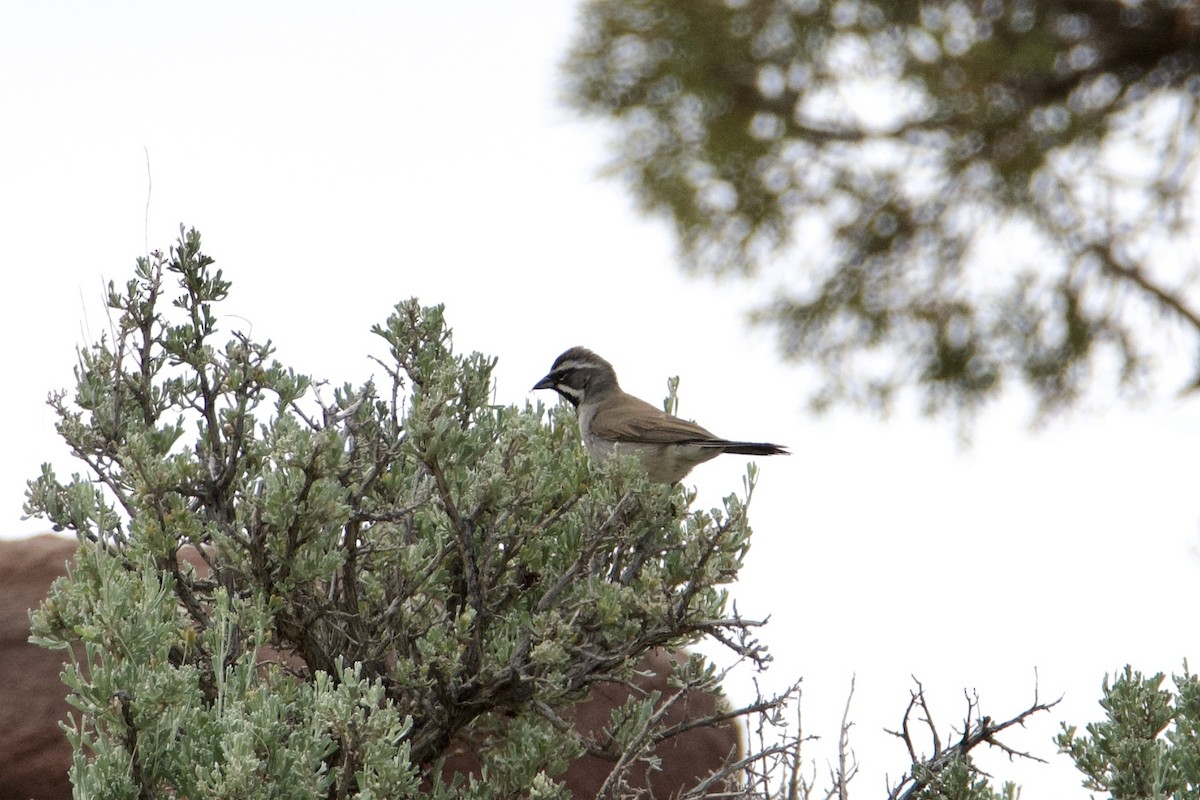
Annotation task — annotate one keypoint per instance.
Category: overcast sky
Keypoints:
(338, 160)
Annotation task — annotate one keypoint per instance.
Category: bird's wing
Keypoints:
(634, 420)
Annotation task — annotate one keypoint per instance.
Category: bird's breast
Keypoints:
(597, 448)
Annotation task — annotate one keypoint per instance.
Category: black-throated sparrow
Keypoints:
(608, 417)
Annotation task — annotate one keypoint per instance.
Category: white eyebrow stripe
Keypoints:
(569, 365)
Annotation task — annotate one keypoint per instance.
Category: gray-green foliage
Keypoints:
(384, 569)
(1148, 745)
(960, 779)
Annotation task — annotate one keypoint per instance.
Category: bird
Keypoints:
(610, 418)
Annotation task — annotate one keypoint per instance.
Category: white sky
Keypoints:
(339, 160)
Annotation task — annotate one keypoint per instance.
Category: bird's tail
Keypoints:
(755, 449)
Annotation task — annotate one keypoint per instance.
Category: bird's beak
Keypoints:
(545, 383)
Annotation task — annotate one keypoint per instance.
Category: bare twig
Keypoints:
(847, 764)
(977, 729)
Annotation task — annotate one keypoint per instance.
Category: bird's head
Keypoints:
(579, 374)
